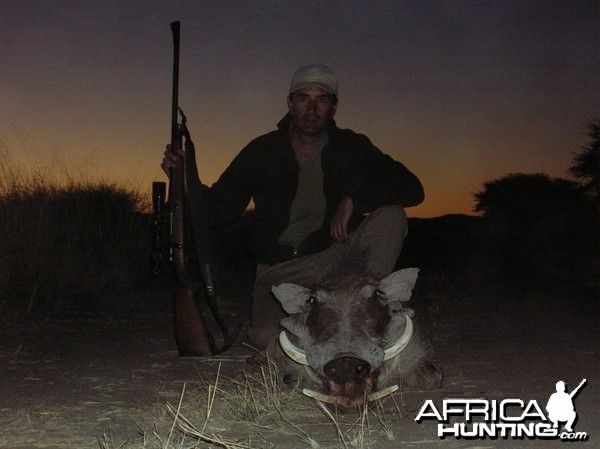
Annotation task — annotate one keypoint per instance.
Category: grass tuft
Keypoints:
(65, 239)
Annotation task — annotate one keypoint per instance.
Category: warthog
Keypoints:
(351, 338)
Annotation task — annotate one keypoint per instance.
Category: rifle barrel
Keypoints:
(175, 28)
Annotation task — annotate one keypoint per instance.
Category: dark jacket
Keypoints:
(266, 170)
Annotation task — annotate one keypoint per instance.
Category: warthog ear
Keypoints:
(398, 285)
(292, 297)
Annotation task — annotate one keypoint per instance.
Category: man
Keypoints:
(312, 184)
(560, 406)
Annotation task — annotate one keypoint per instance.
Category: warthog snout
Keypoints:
(347, 369)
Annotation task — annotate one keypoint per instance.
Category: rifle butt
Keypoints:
(191, 333)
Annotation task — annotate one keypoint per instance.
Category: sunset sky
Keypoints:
(461, 92)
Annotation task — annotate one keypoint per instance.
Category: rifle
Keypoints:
(576, 390)
(191, 333)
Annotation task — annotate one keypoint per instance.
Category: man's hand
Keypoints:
(339, 222)
(170, 160)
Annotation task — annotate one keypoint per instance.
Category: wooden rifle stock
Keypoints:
(191, 333)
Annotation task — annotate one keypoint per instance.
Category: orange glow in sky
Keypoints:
(461, 92)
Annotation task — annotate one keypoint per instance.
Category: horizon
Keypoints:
(33, 179)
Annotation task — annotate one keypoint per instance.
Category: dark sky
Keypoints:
(462, 92)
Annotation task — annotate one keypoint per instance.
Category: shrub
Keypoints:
(60, 242)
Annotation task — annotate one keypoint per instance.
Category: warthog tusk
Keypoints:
(382, 393)
(337, 399)
(294, 353)
(299, 356)
(392, 351)
(321, 396)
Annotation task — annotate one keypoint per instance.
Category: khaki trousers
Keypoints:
(379, 237)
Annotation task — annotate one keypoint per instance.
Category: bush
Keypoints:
(550, 224)
(60, 242)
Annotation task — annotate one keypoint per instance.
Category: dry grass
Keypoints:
(251, 412)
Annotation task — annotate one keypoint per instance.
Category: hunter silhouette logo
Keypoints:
(506, 418)
(560, 405)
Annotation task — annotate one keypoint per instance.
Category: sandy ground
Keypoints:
(102, 379)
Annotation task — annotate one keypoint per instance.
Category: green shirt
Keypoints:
(308, 208)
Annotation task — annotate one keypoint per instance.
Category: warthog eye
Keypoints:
(378, 294)
(311, 300)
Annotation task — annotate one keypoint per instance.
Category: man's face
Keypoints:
(311, 109)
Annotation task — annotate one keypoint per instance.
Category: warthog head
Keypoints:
(350, 339)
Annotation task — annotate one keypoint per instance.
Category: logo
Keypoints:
(507, 418)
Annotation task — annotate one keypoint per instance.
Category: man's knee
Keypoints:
(392, 217)
(384, 226)
(381, 237)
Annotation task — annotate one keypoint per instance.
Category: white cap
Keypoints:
(315, 75)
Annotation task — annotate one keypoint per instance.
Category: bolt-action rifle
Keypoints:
(190, 237)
